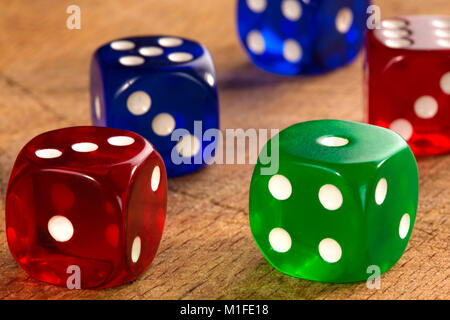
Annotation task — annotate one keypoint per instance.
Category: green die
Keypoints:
(344, 198)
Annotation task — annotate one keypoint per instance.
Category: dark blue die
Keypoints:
(163, 88)
(291, 37)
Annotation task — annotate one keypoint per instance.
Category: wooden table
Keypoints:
(207, 250)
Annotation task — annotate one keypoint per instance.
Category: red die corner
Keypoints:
(408, 80)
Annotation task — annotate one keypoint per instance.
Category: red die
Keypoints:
(88, 200)
(408, 80)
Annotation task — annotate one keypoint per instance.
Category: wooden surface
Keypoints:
(207, 250)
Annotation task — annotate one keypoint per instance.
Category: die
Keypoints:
(163, 88)
(91, 199)
(344, 198)
(291, 37)
(408, 81)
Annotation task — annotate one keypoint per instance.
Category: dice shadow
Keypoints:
(266, 283)
(425, 159)
(247, 76)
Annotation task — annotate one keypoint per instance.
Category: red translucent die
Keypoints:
(89, 197)
(408, 80)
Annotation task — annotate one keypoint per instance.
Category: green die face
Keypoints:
(344, 198)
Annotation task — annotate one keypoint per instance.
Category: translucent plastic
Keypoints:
(343, 198)
(290, 37)
(154, 86)
(408, 81)
(89, 197)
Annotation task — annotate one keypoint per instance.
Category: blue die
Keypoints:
(290, 37)
(163, 88)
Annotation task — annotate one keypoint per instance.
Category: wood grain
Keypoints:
(207, 251)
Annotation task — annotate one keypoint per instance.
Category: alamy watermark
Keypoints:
(374, 20)
(74, 280)
(231, 146)
(74, 19)
(374, 280)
